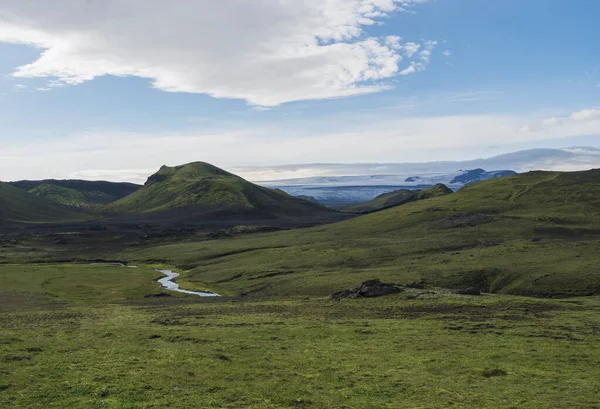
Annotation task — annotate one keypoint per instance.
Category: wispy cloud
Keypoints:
(584, 115)
(381, 139)
(272, 51)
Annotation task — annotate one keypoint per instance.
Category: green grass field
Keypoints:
(81, 336)
(96, 336)
(536, 234)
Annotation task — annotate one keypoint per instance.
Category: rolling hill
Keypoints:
(17, 205)
(533, 234)
(398, 198)
(77, 193)
(200, 189)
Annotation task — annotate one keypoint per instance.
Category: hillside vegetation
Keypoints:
(397, 198)
(531, 234)
(77, 193)
(201, 187)
(17, 205)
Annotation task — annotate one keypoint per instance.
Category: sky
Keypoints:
(114, 89)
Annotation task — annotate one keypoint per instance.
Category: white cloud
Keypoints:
(447, 53)
(525, 129)
(554, 121)
(105, 154)
(586, 115)
(266, 52)
(411, 49)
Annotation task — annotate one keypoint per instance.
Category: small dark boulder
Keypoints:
(159, 295)
(468, 291)
(418, 286)
(368, 289)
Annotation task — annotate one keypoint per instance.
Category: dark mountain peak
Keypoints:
(413, 179)
(476, 175)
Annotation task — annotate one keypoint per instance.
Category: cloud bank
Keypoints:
(132, 156)
(266, 52)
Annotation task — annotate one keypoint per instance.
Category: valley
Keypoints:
(73, 328)
(278, 204)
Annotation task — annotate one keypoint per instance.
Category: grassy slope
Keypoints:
(397, 198)
(77, 193)
(77, 336)
(17, 205)
(415, 241)
(208, 188)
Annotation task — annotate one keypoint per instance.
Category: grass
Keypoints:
(17, 205)
(87, 336)
(53, 285)
(534, 234)
(398, 198)
(210, 189)
(77, 193)
(96, 344)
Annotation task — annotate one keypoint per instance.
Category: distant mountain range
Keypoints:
(461, 178)
(347, 190)
(567, 159)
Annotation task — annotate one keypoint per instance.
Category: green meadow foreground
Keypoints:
(76, 335)
(82, 336)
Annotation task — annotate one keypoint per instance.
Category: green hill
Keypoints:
(17, 205)
(77, 193)
(397, 198)
(530, 234)
(200, 188)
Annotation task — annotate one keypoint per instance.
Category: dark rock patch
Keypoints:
(494, 372)
(159, 295)
(368, 289)
(417, 286)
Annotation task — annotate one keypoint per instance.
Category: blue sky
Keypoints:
(89, 92)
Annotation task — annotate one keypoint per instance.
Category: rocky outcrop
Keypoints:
(368, 289)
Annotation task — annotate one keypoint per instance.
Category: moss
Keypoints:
(412, 243)
(206, 187)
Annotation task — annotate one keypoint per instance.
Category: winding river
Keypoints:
(168, 283)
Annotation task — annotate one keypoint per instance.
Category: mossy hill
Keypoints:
(77, 193)
(203, 188)
(532, 234)
(398, 198)
(17, 205)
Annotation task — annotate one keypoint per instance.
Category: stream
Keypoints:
(169, 284)
(166, 282)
